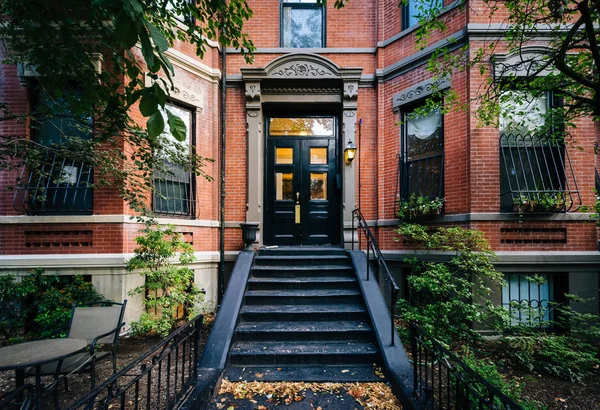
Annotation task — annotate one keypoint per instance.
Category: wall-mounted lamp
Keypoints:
(350, 152)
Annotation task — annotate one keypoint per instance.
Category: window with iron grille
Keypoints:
(55, 178)
(302, 24)
(535, 169)
(530, 298)
(414, 10)
(174, 187)
(422, 155)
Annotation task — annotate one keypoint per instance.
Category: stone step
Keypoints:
(305, 282)
(303, 373)
(301, 330)
(303, 352)
(300, 271)
(302, 260)
(352, 311)
(302, 296)
(303, 250)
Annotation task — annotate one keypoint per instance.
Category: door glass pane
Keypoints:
(318, 156)
(318, 186)
(283, 186)
(284, 155)
(301, 127)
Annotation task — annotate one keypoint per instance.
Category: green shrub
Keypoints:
(39, 306)
(488, 369)
(167, 287)
(447, 299)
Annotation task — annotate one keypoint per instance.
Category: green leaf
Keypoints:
(155, 124)
(148, 52)
(160, 94)
(125, 30)
(159, 39)
(148, 103)
(176, 126)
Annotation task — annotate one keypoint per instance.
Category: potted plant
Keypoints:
(551, 202)
(419, 206)
(523, 203)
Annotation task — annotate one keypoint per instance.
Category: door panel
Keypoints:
(300, 191)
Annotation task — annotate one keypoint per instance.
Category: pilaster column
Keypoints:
(255, 152)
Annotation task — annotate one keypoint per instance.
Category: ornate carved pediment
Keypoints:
(420, 90)
(529, 61)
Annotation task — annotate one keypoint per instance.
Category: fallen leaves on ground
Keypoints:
(369, 395)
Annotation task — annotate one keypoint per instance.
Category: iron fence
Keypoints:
(537, 169)
(53, 184)
(160, 379)
(443, 381)
(381, 263)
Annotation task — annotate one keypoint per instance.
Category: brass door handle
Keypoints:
(297, 208)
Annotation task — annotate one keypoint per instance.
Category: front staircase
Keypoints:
(303, 318)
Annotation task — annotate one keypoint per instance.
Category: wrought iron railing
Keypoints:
(53, 184)
(373, 247)
(443, 381)
(537, 168)
(20, 398)
(160, 379)
(528, 301)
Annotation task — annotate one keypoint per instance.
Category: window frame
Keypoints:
(406, 14)
(405, 186)
(558, 285)
(283, 4)
(50, 185)
(192, 200)
(535, 158)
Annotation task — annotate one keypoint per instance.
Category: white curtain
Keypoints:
(423, 127)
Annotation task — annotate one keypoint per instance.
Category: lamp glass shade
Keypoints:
(350, 151)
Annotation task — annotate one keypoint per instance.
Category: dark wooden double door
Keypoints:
(301, 191)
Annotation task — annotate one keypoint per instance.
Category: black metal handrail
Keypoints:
(169, 370)
(374, 247)
(443, 381)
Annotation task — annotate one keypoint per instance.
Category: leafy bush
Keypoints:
(167, 287)
(419, 205)
(448, 298)
(488, 369)
(39, 306)
(571, 354)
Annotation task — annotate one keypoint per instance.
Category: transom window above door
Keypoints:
(302, 127)
(302, 24)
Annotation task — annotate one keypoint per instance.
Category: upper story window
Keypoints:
(174, 190)
(302, 24)
(56, 180)
(414, 10)
(422, 157)
(533, 159)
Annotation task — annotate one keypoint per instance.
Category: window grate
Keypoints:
(534, 169)
(174, 192)
(54, 185)
(528, 301)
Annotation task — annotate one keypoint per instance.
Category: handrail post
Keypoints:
(392, 312)
(353, 216)
(368, 247)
